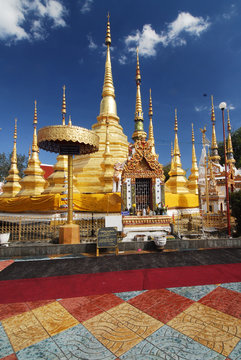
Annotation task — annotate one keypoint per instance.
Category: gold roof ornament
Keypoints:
(172, 157)
(57, 179)
(177, 182)
(230, 158)
(214, 146)
(12, 186)
(139, 132)
(193, 178)
(33, 183)
(151, 133)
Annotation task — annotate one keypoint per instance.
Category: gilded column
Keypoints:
(12, 185)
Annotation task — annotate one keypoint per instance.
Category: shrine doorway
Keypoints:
(143, 194)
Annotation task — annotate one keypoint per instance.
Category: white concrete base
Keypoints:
(4, 238)
(131, 233)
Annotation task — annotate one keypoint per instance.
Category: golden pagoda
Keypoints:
(89, 169)
(230, 158)
(57, 179)
(214, 146)
(33, 183)
(12, 186)
(151, 134)
(139, 132)
(177, 182)
(193, 178)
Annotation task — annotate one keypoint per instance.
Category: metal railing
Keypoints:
(29, 229)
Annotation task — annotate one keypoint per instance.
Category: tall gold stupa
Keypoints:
(93, 170)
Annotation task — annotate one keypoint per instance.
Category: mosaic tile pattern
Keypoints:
(194, 292)
(201, 323)
(233, 286)
(224, 300)
(129, 294)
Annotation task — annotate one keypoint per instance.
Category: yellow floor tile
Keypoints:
(217, 340)
(54, 318)
(24, 330)
(137, 321)
(112, 333)
(215, 318)
(187, 324)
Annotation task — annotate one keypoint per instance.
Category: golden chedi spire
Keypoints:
(139, 132)
(108, 104)
(33, 183)
(177, 182)
(193, 178)
(230, 158)
(214, 146)
(151, 133)
(63, 106)
(12, 186)
(57, 179)
(88, 168)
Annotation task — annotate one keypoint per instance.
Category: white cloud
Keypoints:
(86, 6)
(201, 108)
(148, 39)
(92, 45)
(26, 19)
(231, 107)
(230, 12)
(123, 59)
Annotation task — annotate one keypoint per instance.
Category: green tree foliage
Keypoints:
(166, 169)
(236, 141)
(235, 202)
(5, 163)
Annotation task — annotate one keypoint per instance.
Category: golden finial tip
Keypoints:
(70, 121)
(35, 119)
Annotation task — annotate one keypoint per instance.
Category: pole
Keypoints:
(70, 189)
(226, 177)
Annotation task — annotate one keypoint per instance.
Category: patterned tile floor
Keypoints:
(185, 323)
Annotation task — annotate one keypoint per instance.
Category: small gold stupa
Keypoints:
(151, 133)
(12, 186)
(177, 182)
(33, 183)
(193, 178)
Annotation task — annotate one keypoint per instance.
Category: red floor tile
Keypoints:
(168, 307)
(35, 304)
(5, 263)
(107, 301)
(81, 308)
(150, 298)
(10, 357)
(224, 300)
(7, 310)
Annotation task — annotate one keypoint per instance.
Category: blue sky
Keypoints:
(187, 49)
